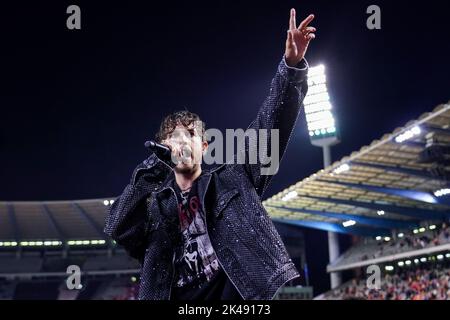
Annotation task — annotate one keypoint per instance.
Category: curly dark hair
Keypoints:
(183, 117)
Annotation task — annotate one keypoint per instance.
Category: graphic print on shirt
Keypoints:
(196, 261)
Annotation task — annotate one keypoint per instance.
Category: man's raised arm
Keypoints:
(281, 107)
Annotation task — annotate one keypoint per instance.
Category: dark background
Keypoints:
(76, 106)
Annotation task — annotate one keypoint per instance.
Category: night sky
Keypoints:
(77, 106)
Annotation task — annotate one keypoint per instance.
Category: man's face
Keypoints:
(187, 147)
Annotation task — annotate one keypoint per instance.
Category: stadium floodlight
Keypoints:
(408, 134)
(432, 227)
(447, 255)
(440, 256)
(389, 268)
(408, 262)
(322, 133)
(378, 238)
(101, 241)
(415, 231)
(106, 202)
(318, 109)
(291, 195)
(401, 235)
(380, 212)
(387, 239)
(401, 264)
(442, 192)
(422, 229)
(342, 168)
(111, 201)
(348, 223)
(416, 261)
(423, 259)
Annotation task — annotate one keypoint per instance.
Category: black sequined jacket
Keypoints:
(144, 218)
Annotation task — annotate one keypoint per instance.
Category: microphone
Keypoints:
(161, 150)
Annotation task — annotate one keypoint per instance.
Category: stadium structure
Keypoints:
(392, 196)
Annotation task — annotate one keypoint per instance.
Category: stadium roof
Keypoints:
(53, 220)
(394, 183)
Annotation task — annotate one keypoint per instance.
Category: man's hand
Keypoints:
(298, 39)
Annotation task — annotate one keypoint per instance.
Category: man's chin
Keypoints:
(183, 168)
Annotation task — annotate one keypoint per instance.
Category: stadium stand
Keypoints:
(431, 282)
(392, 197)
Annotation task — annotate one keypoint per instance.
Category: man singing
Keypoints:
(204, 234)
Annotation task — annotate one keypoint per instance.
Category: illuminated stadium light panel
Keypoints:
(442, 192)
(318, 108)
(348, 223)
(108, 202)
(51, 243)
(289, 196)
(86, 242)
(8, 244)
(408, 134)
(342, 168)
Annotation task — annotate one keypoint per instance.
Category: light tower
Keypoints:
(323, 133)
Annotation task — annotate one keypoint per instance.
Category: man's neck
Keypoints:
(185, 180)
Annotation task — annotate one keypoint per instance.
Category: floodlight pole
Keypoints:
(323, 133)
(333, 239)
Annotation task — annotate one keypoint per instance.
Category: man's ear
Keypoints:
(204, 146)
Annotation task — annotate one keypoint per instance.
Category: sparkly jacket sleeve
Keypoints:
(127, 221)
(277, 116)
